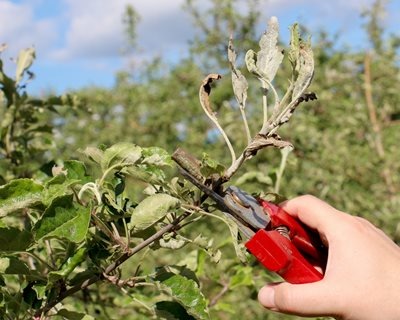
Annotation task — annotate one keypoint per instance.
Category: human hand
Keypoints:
(362, 277)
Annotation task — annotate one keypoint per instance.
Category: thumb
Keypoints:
(310, 299)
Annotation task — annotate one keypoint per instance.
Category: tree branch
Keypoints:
(125, 256)
(376, 126)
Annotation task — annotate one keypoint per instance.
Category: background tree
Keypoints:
(345, 152)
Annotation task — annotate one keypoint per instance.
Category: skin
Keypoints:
(362, 278)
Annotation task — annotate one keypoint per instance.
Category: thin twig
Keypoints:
(219, 295)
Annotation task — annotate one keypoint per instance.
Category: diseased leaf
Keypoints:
(302, 60)
(123, 153)
(13, 239)
(261, 141)
(63, 219)
(12, 265)
(151, 210)
(305, 70)
(171, 241)
(205, 91)
(270, 56)
(250, 59)
(186, 292)
(294, 45)
(207, 246)
(19, 194)
(239, 82)
(24, 62)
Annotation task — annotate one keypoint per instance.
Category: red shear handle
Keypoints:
(307, 241)
(277, 253)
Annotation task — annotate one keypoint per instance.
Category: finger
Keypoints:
(312, 211)
(305, 300)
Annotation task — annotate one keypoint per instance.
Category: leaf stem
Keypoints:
(285, 152)
(246, 124)
(264, 100)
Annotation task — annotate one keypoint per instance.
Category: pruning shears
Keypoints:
(280, 242)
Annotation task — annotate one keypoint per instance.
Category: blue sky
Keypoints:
(80, 42)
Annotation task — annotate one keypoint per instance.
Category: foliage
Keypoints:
(25, 134)
(115, 233)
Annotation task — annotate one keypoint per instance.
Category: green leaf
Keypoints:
(239, 247)
(123, 153)
(171, 310)
(69, 266)
(24, 62)
(254, 176)
(94, 154)
(210, 166)
(187, 293)
(72, 315)
(156, 156)
(12, 265)
(76, 170)
(13, 239)
(151, 210)
(63, 219)
(243, 277)
(19, 194)
(56, 187)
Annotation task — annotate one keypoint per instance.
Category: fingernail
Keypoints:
(266, 296)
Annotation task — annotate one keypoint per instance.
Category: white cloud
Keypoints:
(95, 28)
(19, 28)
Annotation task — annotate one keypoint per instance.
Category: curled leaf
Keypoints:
(171, 241)
(261, 141)
(24, 62)
(302, 60)
(250, 60)
(205, 91)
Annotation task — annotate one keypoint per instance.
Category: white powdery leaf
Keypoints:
(305, 70)
(270, 56)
